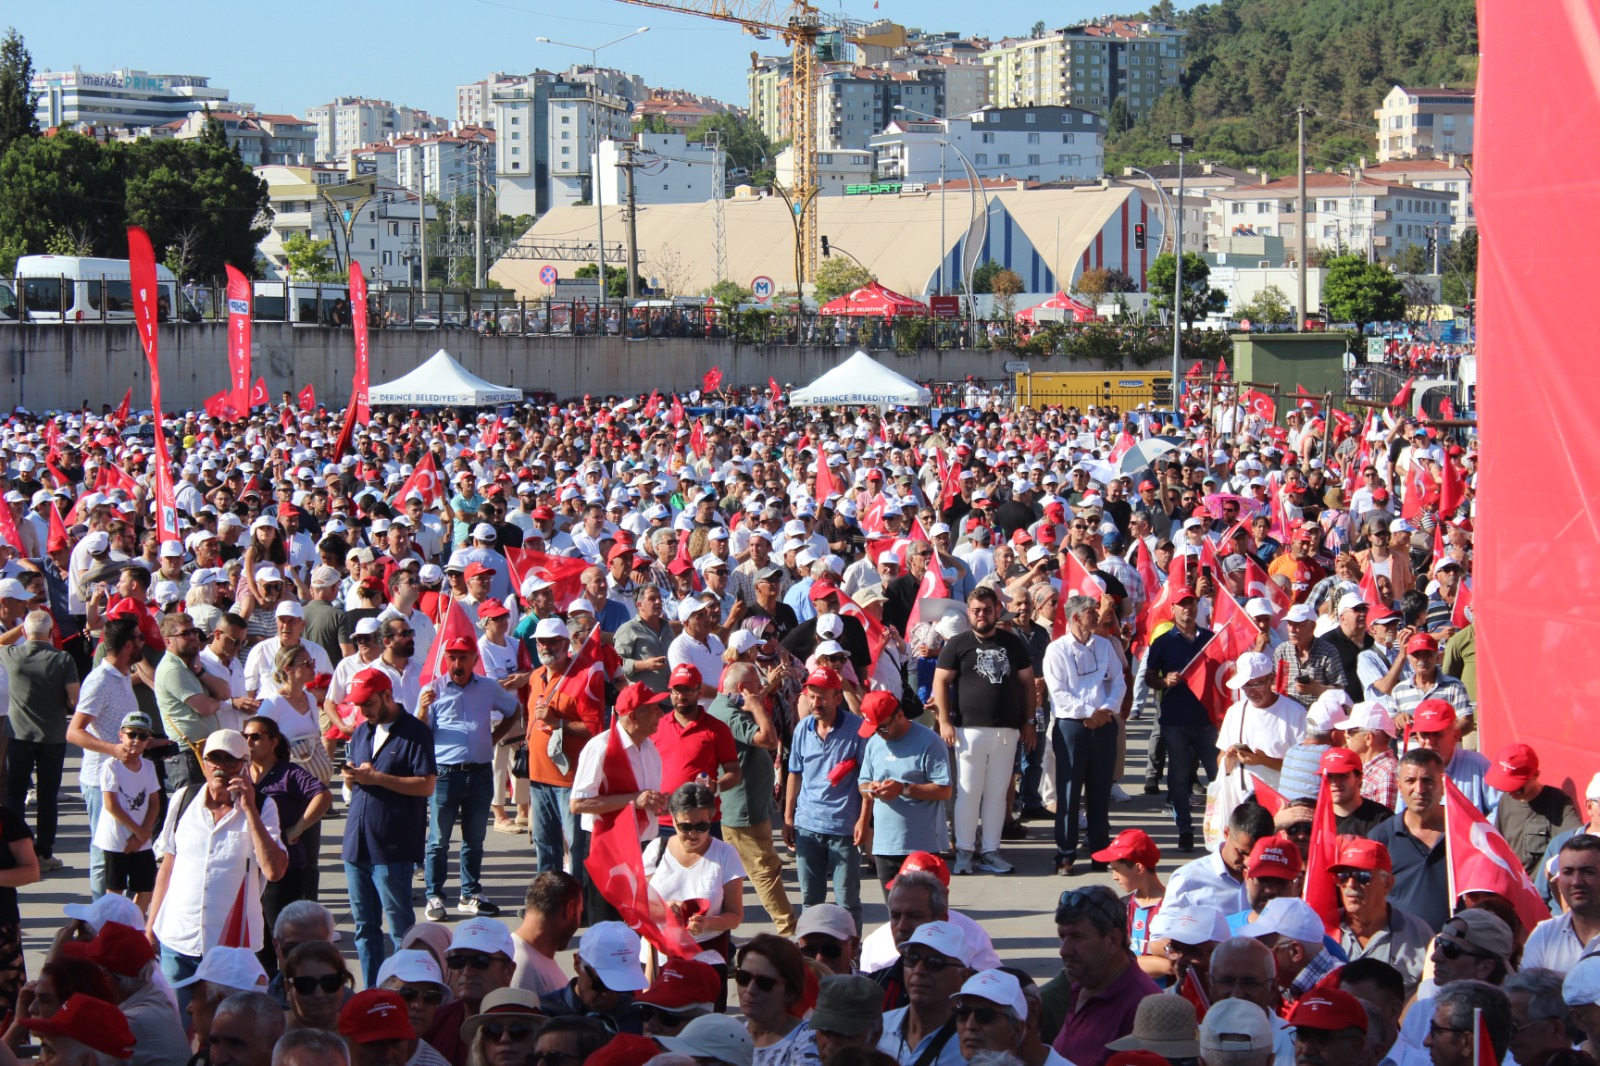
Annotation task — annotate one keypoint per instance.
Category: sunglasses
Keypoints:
(538, 1058)
(1359, 877)
(136, 734)
(476, 960)
(217, 758)
(763, 982)
(410, 993)
(931, 963)
(1452, 951)
(503, 1030)
(984, 1015)
(328, 982)
(694, 827)
(825, 949)
(663, 1018)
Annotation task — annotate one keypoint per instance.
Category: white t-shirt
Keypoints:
(1270, 730)
(295, 726)
(704, 881)
(499, 660)
(707, 658)
(133, 789)
(536, 972)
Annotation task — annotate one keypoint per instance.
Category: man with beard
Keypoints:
(552, 712)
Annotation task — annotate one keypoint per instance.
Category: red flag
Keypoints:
(1146, 567)
(676, 415)
(1259, 403)
(1195, 371)
(1302, 396)
(712, 379)
(58, 531)
(56, 475)
(166, 497)
(1422, 491)
(932, 587)
(236, 927)
(1482, 1044)
(358, 320)
(1369, 586)
(917, 532)
(872, 517)
(1321, 891)
(697, 439)
(258, 393)
(111, 477)
(826, 485)
(1447, 408)
(1343, 424)
(308, 399)
(1123, 443)
(652, 405)
(1267, 796)
(584, 681)
(1208, 672)
(1222, 370)
(950, 486)
(491, 436)
(220, 405)
(121, 413)
(877, 632)
(1479, 859)
(1452, 489)
(1160, 609)
(142, 274)
(455, 625)
(1189, 988)
(346, 431)
(773, 391)
(8, 529)
(1458, 610)
(1257, 583)
(424, 479)
(566, 575)
(239, 299)
(1403, 397)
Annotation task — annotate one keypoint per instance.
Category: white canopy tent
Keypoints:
(861, 379)
(440, 381)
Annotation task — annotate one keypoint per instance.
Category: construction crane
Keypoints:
(798, 25)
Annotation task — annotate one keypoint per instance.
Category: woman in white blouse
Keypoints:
(293, 708)
(699, 877)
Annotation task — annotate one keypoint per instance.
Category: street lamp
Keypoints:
(943, 144)
(974, 192)
(1181, 143)
(1166, 205)
(594, 171)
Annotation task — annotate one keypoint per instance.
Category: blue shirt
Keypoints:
(799, 600)
(382, 826)
(901, 826)
(821, 807)
(1299, 777)
(1171, 653)
(460, 717)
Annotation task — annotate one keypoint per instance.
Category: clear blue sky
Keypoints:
(292, 55)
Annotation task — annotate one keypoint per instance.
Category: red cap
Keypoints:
(680, 565)
(1329, 1009)
(1433, 716)
(1136, 1058)
(1131, 845)
(1274, 856)
(823, 677)
(474, 569)
(1047, 534)
(1305, 533)
(124, 608)
(876, 708)
(643, 562)
(90, 1021)
(927, 862)
(1514, 767)
(625, 1049)
(681, 984)
(491, 609)
(1021, 537)
(635, 696)
(684, 674)
(543, 514)
(460, 644)
(1339, 761)
(822, 589)
(1422, 642)
(367, 684)
(373, 1015)
(286, 510)
(618, 551)
(1359, 853)
(1146, 485)
(122, 949)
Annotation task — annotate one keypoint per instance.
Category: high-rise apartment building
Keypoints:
(351, 122)
(1089, 66)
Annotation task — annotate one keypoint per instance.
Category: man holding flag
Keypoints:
(1190, 736)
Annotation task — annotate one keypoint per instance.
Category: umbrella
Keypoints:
(1145, 452)
(1100, 470)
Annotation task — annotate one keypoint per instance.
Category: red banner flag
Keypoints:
(1447, 408)
(1260, 404)
(1207, 674)
(240, 296)
(8, 529)
(491, 436)
(455, 624)
(1403, 397)
(358, 322)
(712, 379)
(142, 274)
(1452, 489)
(258, 393)
(1145, 564)
(121, 413)
(1461, 610)
(565, 575)
(1479, 859)
(697, 439)
(932, 587)
(424, 479)
(826, 485)
(346, 431)
(308, 399)
(1321, 891)
(676, 415)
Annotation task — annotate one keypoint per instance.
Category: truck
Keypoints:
(1080, 389)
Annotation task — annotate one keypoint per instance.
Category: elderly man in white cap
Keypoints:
(991, 1014)
(1262, 616)
(1258, 730)
(1186, 934)
(559, 728)
(713, 1038)
(1236, 1032)
(259, 664)
(223, 972)
(1311, 665)
(1370, 733)
(936, 959)
(1294, 932)
(1324, 728)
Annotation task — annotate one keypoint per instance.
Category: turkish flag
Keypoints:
(872, 517)
(114, 477)
(346, 431)
(1422, 491)
(424, 479)
(827, 485)
(584, 681)
(1146, 567)
(258, 393)
(1369, 586)
(1452, 489)
(1480, 860)
(491, 436)
(1160, 608)
(1302, 396)
(8, 529)
(697, 439)
(1258, 584)
(456, 625)
(220, 405)
(1260, 404)
(1321, 891)
(566, 575)
(1267, 796)
(1222, 370)
(1207, 673)
(773, 391)
(121, 413)
(1076, 580)
(1458, 611)
(1121, 446)
(58, 531)
(652, 405)
(950, 485)
(932, 587)
(712, 379)
(236, 927)
(1343, 424)
(1403, 397)
(1447, 408)
(308, 399)
(1189, 988)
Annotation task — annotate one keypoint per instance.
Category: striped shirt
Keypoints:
(1322, 665)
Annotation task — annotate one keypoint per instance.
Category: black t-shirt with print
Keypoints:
(988, 686)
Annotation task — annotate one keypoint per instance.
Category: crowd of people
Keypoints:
(860, 638)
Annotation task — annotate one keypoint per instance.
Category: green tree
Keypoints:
(1269, 308)
(201, 192)
(1118, 120)
(983, 276)
(1038, 30)
(1458, 261)
(1361, 292)
(616, 278)
(651, 124)
(837, 276)
(1412, 259)
(18, 117)
(69, 184)
(728, 292)
(1199, 298)
(1097, 282)
(742, 140)
(307, 259)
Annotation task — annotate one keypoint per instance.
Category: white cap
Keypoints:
(531, 584)
(267, 572)
(1300, 613)
(1248, 667)
(1190, 925)
(691, 607)
(944, 938)
(1582, 984)
(742, 641)
(483, 531)
(612, 950)
(97, 542)
(1377, 715)
(235, 968)
(166, 592)
(997, 987)
(1236, 1025)
(488, 935)
(1350, 601)
(1329, 711)
(1037, 552)
(108, 908)
(1258, 607)
(12, 589)
(551, 629)
(712, 1036)
(366, 627)
(1400, 525)
(289, 609)
(411, 965)
(1288, 916)
(171, 549)
(831, 647)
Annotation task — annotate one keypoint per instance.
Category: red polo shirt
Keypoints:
(687, 751)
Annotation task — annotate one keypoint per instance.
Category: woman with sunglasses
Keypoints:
(700, 877)
(775, 991)
(317, 982)
(505, 1030)
(414, 975)
(302, 801)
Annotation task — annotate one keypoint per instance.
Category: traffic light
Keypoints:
(826, 251)
(1138, 234)
(1431, 243)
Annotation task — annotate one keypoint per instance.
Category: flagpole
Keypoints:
(1477, 1032)
(1449, 857)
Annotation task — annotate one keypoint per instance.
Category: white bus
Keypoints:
(71, 288)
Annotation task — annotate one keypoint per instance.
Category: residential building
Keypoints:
(383, 234)
(1424, 123)
(836, 168)
(375, 161)
(521, 160)
(769, 80)
(577, 119)
(1089, 66)
(130, 99)
(1199, 179)
(855, 105)
(474, 101)
(680, 109)
(259, 139)
(618, 84)
(669, 170)
(1344, 212)
(1036, 144)
(1449, 174)
(350, 122)
(443, 164)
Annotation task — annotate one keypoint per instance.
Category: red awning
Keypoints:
(874, 299)
(1060, 302)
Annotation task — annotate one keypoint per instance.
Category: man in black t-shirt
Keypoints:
(984, 699)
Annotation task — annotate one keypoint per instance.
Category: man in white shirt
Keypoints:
(220, 658)
(259, 667)
(1259, 729)
(1559, 943)
(551, 914)
(637, 714)
(1216, 880)
(697, 645)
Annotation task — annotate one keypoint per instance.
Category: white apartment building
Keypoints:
(1357, 214)
(383, 235)
(1446, 175)
(122, 98)
(442, 165)
(669, 170)
(1088, 66)
(1424, 123)
(836, 168)
(259, 139)
(521, 170)
(1040, 144)
(575, 125)
(853, 106)
(475, 100)
(350, 122)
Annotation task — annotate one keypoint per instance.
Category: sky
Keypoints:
(292, 55)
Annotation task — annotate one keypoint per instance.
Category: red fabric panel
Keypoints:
(1537, 594)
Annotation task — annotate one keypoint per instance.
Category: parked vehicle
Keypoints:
(304, 303)
(72, 288)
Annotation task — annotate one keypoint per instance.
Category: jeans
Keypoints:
(23, 758)
(985, 756)
(1187, 744)
(1155, 753)
(1084, 764)
(93, 800)
(464, 794)
(552, 824)
(1028, 798)
(376, 891)
(178, 968)
(819, 855)
(765, 870)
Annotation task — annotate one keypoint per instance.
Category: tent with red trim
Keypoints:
(1061, 302)
(875, 300)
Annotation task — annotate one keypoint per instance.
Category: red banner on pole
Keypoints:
(358, 320)
(142, 273)
(239, 296)
(308, 399)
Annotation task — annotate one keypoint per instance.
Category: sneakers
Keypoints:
(477, 907)
(963, 863)
(47, 863)
(434, 912)
(990, 862)
(1014, 831)
(1152, 788)
(1119, 796)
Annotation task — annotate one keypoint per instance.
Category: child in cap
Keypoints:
(128, 784)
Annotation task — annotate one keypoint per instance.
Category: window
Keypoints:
(981, 159)
(1003, 158)
(1033, 138)
(1236, 208)
(1264, 208)
(1330, 231)
(516, 166)
(986, 138)
(1028, 117)
(993, 117)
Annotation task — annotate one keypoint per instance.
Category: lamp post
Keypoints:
(975, 190)
(594, 170)
(944, 143)
(1181, 143)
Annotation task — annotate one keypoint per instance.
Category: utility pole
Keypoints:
(477, 218)
(627, 165)
(719, 192)
(1180, 142)
(1300, 260)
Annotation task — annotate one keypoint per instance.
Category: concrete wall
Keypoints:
(49, 367)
